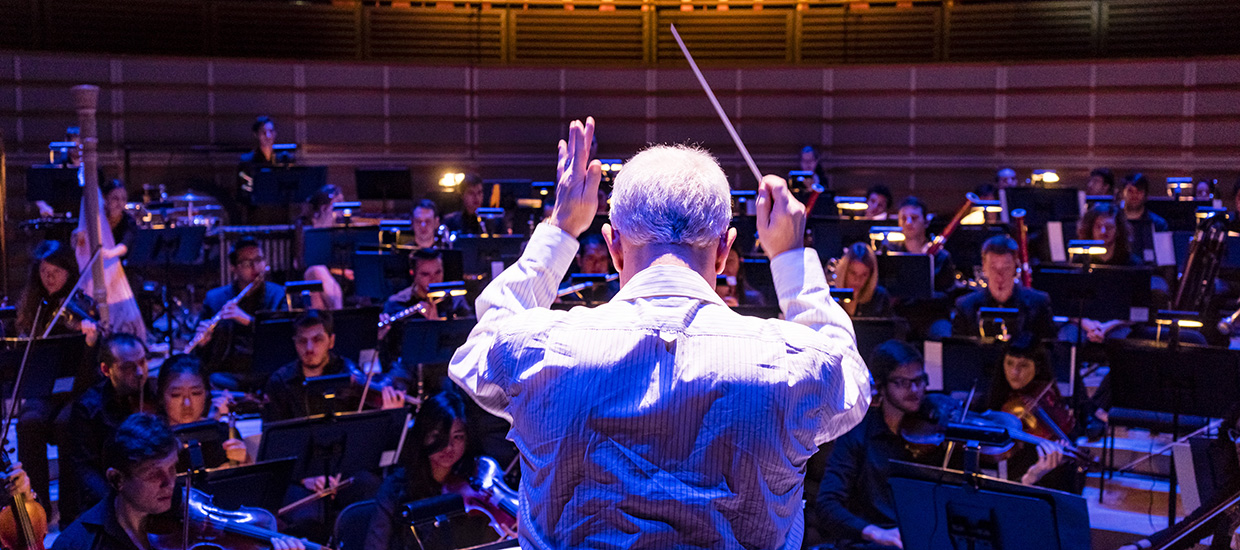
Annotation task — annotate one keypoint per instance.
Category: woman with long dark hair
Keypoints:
(434, 458)
(185, 398)
(53, 273)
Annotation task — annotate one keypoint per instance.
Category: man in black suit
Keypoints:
(999, 262)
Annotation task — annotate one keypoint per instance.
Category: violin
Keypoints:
(486, 493)
(1036, 414)
(23, 521)
(213, 528)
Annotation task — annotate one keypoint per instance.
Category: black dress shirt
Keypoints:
(250, 164)
(231, 348)
(1034, 306)
(97, 529)
(460, 222)
(92, 422)
(854, 492)
(287, 397)
(1143, 229)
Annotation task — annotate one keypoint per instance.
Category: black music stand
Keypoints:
(354, 329)
(940, 508)
(287, 186)
(380, 273)
(1103, 292)
(965, 245)
(262, 485)
(205, 432)
(746, 233)
(384, 184)
(344, 443)
(756, 272)
(58, 187)
(872, 331)
(907, 276)
(431, 342)
(1043, 205)
(163, 248)
(966, 361)
(832, 234)
(334, 246)
(479, 254)
(54, 363)
(1180, 215)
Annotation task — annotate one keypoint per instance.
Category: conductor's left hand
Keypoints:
(577, 179)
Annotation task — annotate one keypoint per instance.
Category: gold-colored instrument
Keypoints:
(1022, 242)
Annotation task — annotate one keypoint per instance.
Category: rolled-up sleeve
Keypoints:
(531, 283)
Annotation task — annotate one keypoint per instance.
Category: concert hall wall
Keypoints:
(936, 130)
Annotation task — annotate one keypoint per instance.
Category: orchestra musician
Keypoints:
(592, 257)
(141, 470)
(858, 269)
(263, 156)
(618, 447)
(72, 160)
(287, 398)
(999, 266)
(1144, 223)
(1101, 182)
(811, 161)
(1005, 178)
(915, 226)
(1027, 381)
(433, 459)
(877, 200)
(183, 398)
(229, 349)
(43, 420)
(737, 291)
(427, 269)
(320, 214)
(426, 224)
(465, 220)
(95, 416)
(855, 505)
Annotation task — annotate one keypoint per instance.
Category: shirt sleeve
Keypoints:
(837, 488)
(528, 284)
(805, 299)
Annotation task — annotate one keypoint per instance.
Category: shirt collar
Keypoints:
(668, 280)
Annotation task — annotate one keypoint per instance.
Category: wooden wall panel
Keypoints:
(835, 35)
(935, 130)
(1025, 30)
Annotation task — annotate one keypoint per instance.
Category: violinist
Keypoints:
(999, 263)
(183, 399)
(858, 270)
(1027, 386)
(141, 459)
(287, 398)
(42, 421)
(95, 417)
(228, 349)
(855, 505)
(431, 463)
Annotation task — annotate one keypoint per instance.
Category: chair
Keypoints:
(352, 525)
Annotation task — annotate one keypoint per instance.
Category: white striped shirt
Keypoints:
(662, 419)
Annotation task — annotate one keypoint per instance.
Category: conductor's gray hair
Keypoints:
(671, 194)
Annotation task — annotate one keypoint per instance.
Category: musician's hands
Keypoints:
(17, 482)
(781, 217)
(576, 190)
(888, 537)
(1138, 545)
(393, 399)
(45, 210)
(429, 311)
(235, 450)
(287, 543)
(221, 404)
(91, 330)
(319, 483)
(234, 312)
(1050, 456)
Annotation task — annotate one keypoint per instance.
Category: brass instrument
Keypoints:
(1205, 254)
(582, 286)
(1022, 241)
(937, 244)
(205, 331)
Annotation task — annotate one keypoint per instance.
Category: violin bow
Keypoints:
(964, 412)
(718, 108)
(321, 493)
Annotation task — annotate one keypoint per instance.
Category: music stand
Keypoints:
(163, 248)
(354, 330)
(907, 276)
(263, 484)
(58, 187)
(1104, 292)
(965, 245)
(940, 508)
(379, 273)
(746, 233)
(757, 274)
(286, 186)
(1180, 215)
(344, 443)
(384, 184)
(480, 255)
(433, 341)
(1042, 205)
(872, 331)
(832, 234)
(205, 432)
(53, 364)
(334, 246)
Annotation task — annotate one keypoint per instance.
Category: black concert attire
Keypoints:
(878, 306)
(854, 492)
(92, 422)
(1034, 306)
(125, 232)
(250, 164)
(944, 270)
(96, 529)
(387, 526)
(463, 223)
(1143, 229)
(1063, 478)
(287, 397)
(230, 353)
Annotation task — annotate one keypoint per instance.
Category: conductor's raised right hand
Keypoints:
(781, 217)
(577, 179)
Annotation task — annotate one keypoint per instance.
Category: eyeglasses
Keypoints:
(252, 263)
(906, 383)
